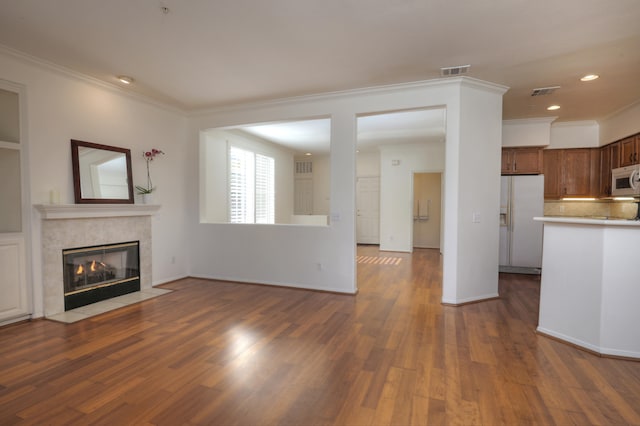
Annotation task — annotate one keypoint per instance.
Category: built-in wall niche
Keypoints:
(267, 173)
(14, 216)
(10, 162)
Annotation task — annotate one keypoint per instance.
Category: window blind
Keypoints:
(251, 187)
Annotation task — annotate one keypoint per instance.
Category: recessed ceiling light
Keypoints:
(307, 153)
(553, 107)
(124, 79)
(589, 77)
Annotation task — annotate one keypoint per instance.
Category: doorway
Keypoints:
(427, 210)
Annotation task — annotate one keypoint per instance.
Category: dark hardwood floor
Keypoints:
(222, 353)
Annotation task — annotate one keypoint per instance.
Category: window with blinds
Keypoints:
(251, 187)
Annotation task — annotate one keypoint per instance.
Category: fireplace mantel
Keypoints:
(80, 211)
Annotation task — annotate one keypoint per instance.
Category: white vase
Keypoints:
(147, 198)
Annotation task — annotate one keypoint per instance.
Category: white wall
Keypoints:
(396, 191)
(474, 214)
(324, 258)
(368, 164)
(321, 184)
(620, 125)
(575, 134)
(61, 106)
(544, 132)
(527, 132)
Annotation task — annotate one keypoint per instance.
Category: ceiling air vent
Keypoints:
(454, 71)
(544, 90)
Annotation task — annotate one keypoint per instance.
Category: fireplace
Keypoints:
(92, 274)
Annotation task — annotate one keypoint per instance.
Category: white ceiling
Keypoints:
(205, 54)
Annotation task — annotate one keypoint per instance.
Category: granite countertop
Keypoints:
(589, 220)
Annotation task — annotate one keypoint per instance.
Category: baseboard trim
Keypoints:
(587, 347)
(471, 301)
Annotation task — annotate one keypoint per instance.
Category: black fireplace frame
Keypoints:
(106, 291)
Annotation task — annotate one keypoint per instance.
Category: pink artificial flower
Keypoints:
(150, 155)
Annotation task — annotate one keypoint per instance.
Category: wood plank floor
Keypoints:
(235, 354)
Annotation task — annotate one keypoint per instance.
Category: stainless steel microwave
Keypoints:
(625, 181)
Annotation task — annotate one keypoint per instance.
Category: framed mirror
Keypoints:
(101, 173)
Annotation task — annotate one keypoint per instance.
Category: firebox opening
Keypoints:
(96, 273)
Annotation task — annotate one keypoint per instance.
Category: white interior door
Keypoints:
(368, 210)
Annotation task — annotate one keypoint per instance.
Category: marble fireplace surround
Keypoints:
(80, 225)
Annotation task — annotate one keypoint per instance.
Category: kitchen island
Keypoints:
(590, 284)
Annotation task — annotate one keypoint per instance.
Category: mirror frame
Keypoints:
(77, 189)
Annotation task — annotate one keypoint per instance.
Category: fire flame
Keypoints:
(94, 266)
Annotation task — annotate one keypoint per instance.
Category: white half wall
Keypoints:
(324, 258)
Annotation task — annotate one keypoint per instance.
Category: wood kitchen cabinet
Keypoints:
(605, 171)
(522, 161)
(630, 151)
(615, 155)
(552, 171)
(571, 173)
(609, 160)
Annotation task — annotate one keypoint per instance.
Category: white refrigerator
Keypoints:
(521, 199)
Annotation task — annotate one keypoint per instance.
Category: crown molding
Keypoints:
(67, 72)
(535, 120)
(339, 95)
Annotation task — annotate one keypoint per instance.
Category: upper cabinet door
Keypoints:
(571, 172)
(552, 173)
(522, 161)
(629, 151)
(605, 171)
